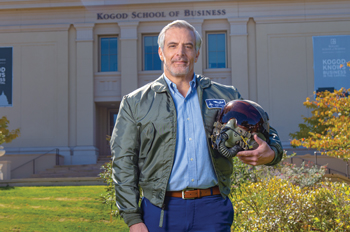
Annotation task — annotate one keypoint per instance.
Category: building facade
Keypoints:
(73, 60)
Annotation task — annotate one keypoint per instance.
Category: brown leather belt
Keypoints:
(193, 194)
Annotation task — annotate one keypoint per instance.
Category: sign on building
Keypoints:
(331, 62)
(5, 76)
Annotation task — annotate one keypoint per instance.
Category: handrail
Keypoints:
(33, 160)
(329, 169)
(347, 164)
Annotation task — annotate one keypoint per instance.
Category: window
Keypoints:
(216, 50)
(108, 54)
(151, 58)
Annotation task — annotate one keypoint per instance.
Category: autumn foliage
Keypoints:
(6, 135)
(328, 129)
(278, 205)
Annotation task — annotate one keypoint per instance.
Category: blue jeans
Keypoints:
(209, 214)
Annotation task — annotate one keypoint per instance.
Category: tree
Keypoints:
(6, 135)
(328, 129)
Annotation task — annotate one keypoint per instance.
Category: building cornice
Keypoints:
(31, 4)
(301, 18)
(237, 12)
(35, 28)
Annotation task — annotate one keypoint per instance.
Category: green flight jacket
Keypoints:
(144, 139)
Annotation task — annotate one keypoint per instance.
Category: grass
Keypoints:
(64, 208)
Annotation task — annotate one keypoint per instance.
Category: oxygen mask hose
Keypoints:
(225, 151)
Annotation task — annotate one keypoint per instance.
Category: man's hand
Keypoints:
(263, 154)
(139, 227)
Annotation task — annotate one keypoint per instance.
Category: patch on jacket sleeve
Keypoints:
(215, 103)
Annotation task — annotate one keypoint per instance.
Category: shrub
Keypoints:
(278, 205)
(108, 197)
(305, 175)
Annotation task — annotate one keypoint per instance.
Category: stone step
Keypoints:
(84, 170)
(77, 167)
(62, 175)
(65, 174)
(70, 171)
(104, 159)
(107, 159)
(48, 171)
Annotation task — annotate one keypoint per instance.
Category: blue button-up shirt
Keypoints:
(192, 165)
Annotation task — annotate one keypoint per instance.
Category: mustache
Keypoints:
(176, 60)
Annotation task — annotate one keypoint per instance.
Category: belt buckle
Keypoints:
(183, 194)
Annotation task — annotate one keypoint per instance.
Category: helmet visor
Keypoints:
(246, 115)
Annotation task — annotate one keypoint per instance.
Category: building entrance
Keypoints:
(106, 115)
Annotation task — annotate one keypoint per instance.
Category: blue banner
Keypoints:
(5, 76)
(331, 62)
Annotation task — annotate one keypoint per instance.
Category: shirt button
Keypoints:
(188, 119)
(191, 159)
(192, 180)
(190, 139)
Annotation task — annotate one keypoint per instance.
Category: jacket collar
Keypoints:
(203, 82)
(160, 84)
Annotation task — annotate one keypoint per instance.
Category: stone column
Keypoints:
(85, 151)
(128, 56)
(198, 67)
(239, 55)
(5, 170)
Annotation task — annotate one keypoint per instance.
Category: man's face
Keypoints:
(179, 52)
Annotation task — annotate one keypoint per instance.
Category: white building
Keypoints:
(73, 60)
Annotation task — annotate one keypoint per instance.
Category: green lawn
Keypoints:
(67, 208)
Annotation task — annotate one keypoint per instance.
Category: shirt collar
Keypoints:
(172, 85)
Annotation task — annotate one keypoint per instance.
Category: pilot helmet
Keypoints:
(235, 127)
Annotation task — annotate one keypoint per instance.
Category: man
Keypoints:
(160, 143)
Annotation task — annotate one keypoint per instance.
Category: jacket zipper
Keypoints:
(200, 98)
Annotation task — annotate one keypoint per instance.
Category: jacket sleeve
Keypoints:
(274, 142)
(125, 149)
(276, 146)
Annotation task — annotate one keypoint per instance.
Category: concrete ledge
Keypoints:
(70, 181)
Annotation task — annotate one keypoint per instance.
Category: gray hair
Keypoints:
(179, 24)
